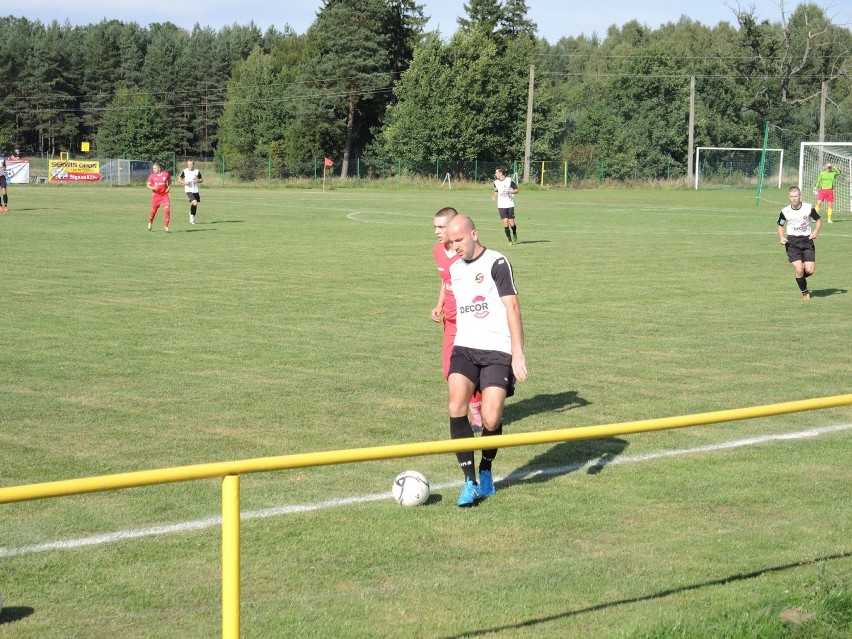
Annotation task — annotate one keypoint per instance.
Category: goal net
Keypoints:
(812, 160)
(717, 166)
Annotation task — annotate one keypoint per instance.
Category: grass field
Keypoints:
(296, 321)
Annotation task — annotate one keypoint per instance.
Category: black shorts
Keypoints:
(799, 247)
(2, 181)
(193, 196)
(484, 368)
(507, 214)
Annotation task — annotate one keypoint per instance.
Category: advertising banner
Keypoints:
(74, 170)
(18, 171)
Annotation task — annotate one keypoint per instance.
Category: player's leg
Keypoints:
(167, 213)
(829, 200)
(5, 206)
(498, 383)
(155, 204)
(461, 384)
(194, 199)
(514, 225)
(799, 270)
(504, 216)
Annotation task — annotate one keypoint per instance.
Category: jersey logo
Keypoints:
(479, 278)
(478, 306)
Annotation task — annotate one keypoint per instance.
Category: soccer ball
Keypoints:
(410, 488)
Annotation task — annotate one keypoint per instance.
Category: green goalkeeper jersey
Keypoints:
(826, 179)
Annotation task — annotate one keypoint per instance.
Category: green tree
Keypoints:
(49, 89)
(133, 127)
(346, 80)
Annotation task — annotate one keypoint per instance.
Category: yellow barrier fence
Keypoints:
(231, 471)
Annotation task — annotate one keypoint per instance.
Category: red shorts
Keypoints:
(160, 200)
(825, 195)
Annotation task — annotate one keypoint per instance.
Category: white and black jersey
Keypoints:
(505, 197)
(481, 317)
(798, 221)
(190, 178)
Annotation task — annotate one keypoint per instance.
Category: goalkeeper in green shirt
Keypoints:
(825, 187)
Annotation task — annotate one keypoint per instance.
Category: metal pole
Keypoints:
(691, 141)
(231, 557)
(528, 142)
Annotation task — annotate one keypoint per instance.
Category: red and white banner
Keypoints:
(18, 171)
(74, 170)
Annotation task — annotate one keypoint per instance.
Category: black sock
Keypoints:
(508, 232)
(515, 231)
(5, 199)
(460, 428)
(803, 284)
(489, 454)
(192, 209)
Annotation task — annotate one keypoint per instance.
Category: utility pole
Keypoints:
(528, 143)
(689, 168)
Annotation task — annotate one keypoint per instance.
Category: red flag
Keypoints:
(328, 162)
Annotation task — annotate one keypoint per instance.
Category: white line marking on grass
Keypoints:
(214, 522)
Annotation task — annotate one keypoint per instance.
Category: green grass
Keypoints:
(296, 321)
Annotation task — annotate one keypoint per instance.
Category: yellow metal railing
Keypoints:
(231, 471)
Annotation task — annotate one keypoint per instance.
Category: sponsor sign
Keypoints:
(74, 170)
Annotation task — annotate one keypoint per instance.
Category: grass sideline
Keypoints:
(294, 321)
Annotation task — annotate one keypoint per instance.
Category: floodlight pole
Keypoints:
(689, 167)
(528, 142)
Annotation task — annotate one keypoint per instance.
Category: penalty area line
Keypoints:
(266, 513)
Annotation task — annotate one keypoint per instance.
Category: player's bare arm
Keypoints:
(516, 330)
(439, 307)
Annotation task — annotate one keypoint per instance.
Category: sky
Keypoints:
(555, 18)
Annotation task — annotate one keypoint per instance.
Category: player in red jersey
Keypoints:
(159, 183)
(445, 310)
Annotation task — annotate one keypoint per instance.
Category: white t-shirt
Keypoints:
(191, 177)
(798, 221)
(481, 316)
(505, 198)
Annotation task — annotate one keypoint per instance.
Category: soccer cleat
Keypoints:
(514, 239)
(806, 296)
(166, 229)
(149, 227)
(470, 494)
(486, 483)
(192, 219)
(830, 222)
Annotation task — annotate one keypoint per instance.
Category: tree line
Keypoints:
(367, 81)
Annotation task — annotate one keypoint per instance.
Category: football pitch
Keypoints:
(290, 321)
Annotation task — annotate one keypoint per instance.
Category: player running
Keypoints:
(159, 183)
(799, 242)
(825, 187)
(190, 177)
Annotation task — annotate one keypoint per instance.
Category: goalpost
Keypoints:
(812, 158)
(734, 165)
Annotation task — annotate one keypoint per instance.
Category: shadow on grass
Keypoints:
(550, 403)
(825, 292)
(529, 623)
(223, 222)
(564, 458)
(12, 614)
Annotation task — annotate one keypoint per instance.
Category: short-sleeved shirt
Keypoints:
(190, 177)
(505, 199)
(160, 181)
(444, 258)
(798, 221)
(479, 285)
(826, 179)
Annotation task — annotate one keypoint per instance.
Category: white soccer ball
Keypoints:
(410, 488)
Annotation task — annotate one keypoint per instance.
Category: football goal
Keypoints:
(814, 156)
(719, 166)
